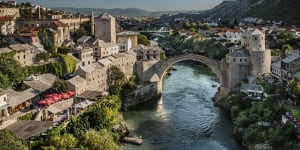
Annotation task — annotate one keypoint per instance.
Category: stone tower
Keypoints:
(250, 60)
(254, 41)
(105, 28)
(92, 24)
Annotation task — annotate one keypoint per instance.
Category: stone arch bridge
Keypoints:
(153, 72)
(163, 65)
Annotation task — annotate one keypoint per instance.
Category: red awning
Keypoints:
(42, 102)
(71, 93)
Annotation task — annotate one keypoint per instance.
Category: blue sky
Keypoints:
(150, 5)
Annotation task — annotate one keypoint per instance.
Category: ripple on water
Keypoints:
(185, 118)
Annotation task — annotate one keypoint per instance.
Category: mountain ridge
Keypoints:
(131, 12)
(286, 10)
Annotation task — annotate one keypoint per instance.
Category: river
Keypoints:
(184, 118)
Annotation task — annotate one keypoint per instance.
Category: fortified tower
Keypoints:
(251, 59)
(105, 28)
(254, 41)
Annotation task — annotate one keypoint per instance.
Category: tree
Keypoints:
(142, 39)
(48, 44)
(64, 50)
(11, 71)
(204, 27)
(87, 27)
(9, 142)
(186, 25)
(60, 86)
(100, 140)
(234, 111)
(116, 81)
(78, 126)
(192, 29)
(43, 56)
(4, 81)
(66, 141)
(68, 64)
(294, 87)
(194, 25)
(78, 33)
(107, 110)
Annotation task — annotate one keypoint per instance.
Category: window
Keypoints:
(255, 38)
(245, 60)
(240, 60)
(233, 59)
(24, 56)
(83, 64)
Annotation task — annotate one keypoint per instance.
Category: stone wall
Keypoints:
(142, 94)
(145, 70)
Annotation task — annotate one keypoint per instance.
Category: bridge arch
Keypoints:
(213, 64)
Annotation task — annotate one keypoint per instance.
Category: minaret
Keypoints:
(92, 24)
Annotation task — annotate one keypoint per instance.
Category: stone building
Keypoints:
(84, 41)
(77, 84)
(60, 34)
(15, 102)
(26, 54)
(104, 49)
(86, 57)
(126, 62)
(41, 84)
(105, 28)
(29, 38)
(251, 60)
(286, 68)
(147, 53)
(129, 34)
(125, 44)
(254, 41)
(95, 75)
(72, 20)
(7, 25)
(10, 12)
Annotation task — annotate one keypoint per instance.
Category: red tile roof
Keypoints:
(59, 24)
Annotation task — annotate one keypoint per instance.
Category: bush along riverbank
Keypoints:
(258, 123)
(99, 127)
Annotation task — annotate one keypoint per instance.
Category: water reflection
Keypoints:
(184, 118)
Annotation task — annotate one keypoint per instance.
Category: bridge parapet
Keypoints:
(213, 64)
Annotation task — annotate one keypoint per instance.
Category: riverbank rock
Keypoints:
(133, 140)
(122, 130)
(237, 134)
